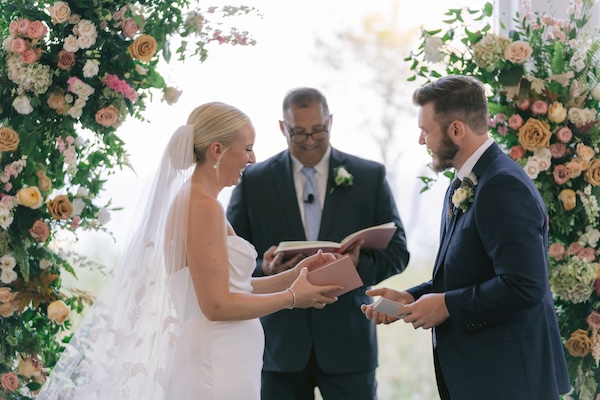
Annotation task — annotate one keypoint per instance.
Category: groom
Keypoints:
(495, 332)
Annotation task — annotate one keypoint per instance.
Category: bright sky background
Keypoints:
(255, 79)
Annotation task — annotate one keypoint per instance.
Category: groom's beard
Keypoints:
(444, 156)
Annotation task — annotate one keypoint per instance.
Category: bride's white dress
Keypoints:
(220, 360)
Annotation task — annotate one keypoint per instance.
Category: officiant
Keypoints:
(312, 191)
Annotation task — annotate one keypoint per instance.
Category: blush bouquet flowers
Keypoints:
(543, 95)
(70, 73)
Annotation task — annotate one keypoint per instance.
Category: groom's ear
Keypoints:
(457, 131)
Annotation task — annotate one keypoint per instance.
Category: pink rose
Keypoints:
(558, 150)
(107, 116)
(556, 250)
(564, 134)
(29, 56)
(517, 152)
(66, 59)
(524, 105)
(23, 25)
(561, 174)
(19, 45)
(597, 287)
(14, 27)
(587, 253)
(575, 248)
(539, 107)
(515, 121)
(36, 30)
(130, 28)
(593, 320)
(9, 382)
(39, 231)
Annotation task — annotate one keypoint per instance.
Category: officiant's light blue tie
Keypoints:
(312, 205)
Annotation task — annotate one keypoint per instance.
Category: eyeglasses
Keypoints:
(299, 135)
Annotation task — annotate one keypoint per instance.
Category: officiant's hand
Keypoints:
(273, 264)
(353, 251)
(381, 318)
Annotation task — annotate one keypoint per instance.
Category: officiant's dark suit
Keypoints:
(499, 336)
(334, 348)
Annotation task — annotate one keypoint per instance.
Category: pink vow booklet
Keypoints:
(339, 272)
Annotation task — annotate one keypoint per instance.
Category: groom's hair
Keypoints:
(456, 97)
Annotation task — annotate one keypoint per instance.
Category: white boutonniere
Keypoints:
(463, 196)
(341, 177)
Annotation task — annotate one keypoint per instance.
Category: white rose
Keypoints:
(87, 28)
(7, 262)
(45, 264)
(85, 42)
(343, 173)
(432, 50)
(532, 168)
(103, 216)
(459, 196)
(593, 236)
(75, 112)
(22, 105)
(60, 12)
(71, 44)
(171, 95)
(90, 69)
(575, 115)
(78, 206)
(8, 276)
(596, 92)
(82, 192)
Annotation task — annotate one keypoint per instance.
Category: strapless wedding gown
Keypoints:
(216, 360)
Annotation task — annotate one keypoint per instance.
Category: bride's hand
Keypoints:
(308, 295)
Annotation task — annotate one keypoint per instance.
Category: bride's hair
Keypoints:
(215, 122)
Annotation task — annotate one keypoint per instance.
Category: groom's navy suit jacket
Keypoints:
(502, 339)
(264, 210)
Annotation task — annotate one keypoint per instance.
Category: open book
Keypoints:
(339, 272)
(375, 237)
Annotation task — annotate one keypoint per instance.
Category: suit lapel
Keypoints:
(332, 200)
(283, 179)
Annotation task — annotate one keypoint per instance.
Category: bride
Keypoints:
(179, 318)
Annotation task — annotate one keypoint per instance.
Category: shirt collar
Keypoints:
(467, 167)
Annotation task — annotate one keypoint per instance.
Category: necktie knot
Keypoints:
(308, 171)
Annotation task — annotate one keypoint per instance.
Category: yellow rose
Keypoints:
(579, 344)
(518, 52)
(9, 139)
(534, 134)
(592, 174)
(58, 312)
(30, 197)
(568, 199)
(143, 48)
(557, 113)
(60, 207)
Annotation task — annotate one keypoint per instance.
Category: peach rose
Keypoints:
(579, 344)
(517, 152)
(564, 134)
(584, 164)
(515, 121)
(518, 52)
(534, 134)
(539, 107)
(30, 197)
(575, 248)
(568, 199)
(29, 56)
(40, 231)
(558, 150)
(9, 382)
(9, 139)
(143, 48)
(587, 253)
(59, 12)
(593, 320)
(556, 250)
(107, 116)
(7, 310)
(66, 59)
(44, 183)
(561, 174)
(60, 207)
(55, 100)
(58, 312)
(557, 113)
(574, 169)
(584, 152)
(592, 173)
(6, 296)
(36, 30)
(29, 367)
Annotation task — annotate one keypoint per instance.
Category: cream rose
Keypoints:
(59, 12)
(568, 199)
(107, 116)
(584, 152)
(22, 105)
(60, 207)
(592, 173)
(143, 48)
(9, 139)
(596, 92)
(557, 113)
(579, 344)
(58, 311)
(90, 69)
(30, 197)
(171, 95)
(534, 134)
(518, 52)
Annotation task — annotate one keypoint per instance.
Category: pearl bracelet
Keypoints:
(293, 297)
